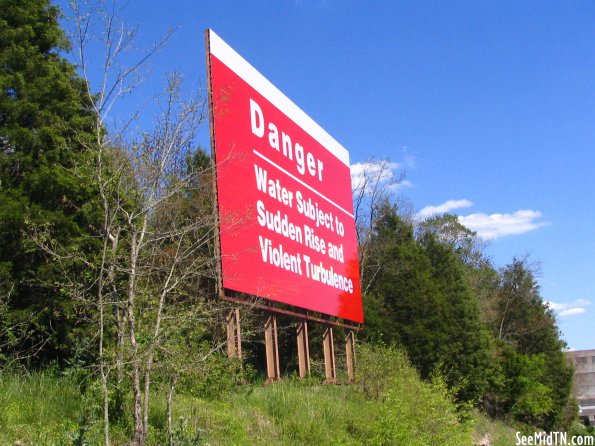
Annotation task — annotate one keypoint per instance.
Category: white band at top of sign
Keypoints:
(248, 73)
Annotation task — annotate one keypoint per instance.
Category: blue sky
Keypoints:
(487, 106)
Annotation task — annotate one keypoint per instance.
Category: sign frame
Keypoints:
(325, 141)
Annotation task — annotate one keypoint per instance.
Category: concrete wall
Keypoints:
(583, 387)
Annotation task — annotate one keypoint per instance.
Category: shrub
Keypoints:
(411, 412)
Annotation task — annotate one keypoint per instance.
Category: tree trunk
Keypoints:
(139, 431)
(170, 403)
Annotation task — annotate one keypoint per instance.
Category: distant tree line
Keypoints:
(106, 236)
(107, 259)
(487, 330)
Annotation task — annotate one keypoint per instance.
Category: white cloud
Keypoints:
(443, 208)
(401, 184)
(489, 226)
(385, 169)
(573, 308)
(555, 306)
(572, 312)
(381, 173)
(493, 226)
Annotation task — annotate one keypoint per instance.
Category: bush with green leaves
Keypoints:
(418, 297)
(411, 411)
(215, 377)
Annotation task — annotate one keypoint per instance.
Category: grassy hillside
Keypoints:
(390, 405)
(49, 412)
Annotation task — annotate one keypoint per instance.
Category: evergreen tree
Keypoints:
(467, 352)
(45, 130)
(481, 276)
(447, 229)
(421, 300)
(528, 329)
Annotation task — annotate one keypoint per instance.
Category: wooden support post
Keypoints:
(234, 334)
(350, 356)
(329, 356)
(303, 349)
(272, 349)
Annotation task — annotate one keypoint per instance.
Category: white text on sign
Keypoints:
(304, 160)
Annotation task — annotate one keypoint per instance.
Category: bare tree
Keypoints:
(96, 28)
(145, 285)
(374, 183)
(157, 219)
(164, 245)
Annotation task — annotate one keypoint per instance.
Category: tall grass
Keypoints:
(389, 406)
(38, 409)
(496, 432)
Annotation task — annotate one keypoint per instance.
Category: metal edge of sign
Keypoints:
(219, 266)
(256, 80)
(303, 316)
(217, 47)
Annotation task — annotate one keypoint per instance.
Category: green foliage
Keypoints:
(379, 366)
(420, 416)
(183, 434)
(535, 377)
(448, 231)
(487, 331)
(38, 409)
(427, 288)
(45, 131)
(54, 410)
(411, 412)
(529, 400)
(523, 391)
(421, 300)
(465, 355)
(216, 377)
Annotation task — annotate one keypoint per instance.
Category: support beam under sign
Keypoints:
(350, 356)
(234, 334)
(303, 349)
(272, 349)
(329, 356)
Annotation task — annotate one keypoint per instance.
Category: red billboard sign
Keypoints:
(287, 230)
